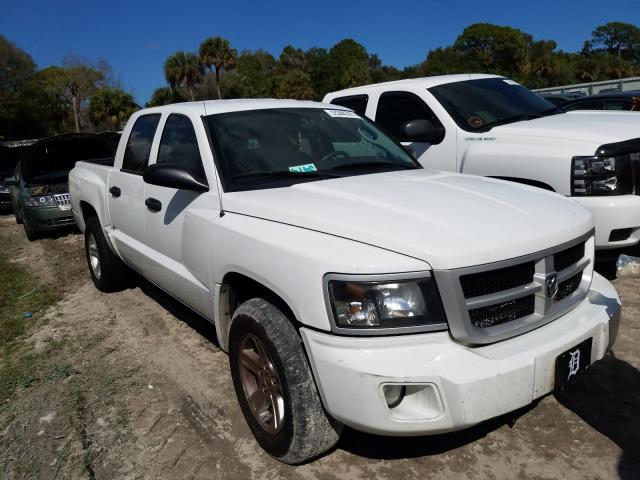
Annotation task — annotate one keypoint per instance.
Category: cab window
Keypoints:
(136, 155)
(397, 108)
(179, 145)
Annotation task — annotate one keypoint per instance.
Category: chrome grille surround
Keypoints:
(546, 308)
(63, 200)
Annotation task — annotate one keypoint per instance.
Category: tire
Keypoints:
(305, 430)
(32, 235)
(108, 272)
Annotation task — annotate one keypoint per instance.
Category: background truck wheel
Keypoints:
(108, 272)
(275, 387)
(32, 234)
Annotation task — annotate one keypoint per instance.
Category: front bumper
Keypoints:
(451, 386)
(47, 218)
(614, 213)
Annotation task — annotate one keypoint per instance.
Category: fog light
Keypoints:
(394, 394)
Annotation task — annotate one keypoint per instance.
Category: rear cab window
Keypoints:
(138, 149)
(357, 103)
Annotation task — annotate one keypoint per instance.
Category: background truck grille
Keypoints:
(63, 200)
(491, 302)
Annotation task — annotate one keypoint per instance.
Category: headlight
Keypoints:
(43, 201)
(385, 305)
(601, 175)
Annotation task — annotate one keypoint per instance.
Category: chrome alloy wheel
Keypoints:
(261, 384)
(94, 256)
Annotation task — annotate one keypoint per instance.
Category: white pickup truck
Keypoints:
(349, 285)
(492, 126)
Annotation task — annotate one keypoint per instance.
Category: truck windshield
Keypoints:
(280, 147)
(479, 105)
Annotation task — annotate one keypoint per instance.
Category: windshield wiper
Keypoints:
(364, 165)
(283, 174)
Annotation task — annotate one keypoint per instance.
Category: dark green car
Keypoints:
(40, 185)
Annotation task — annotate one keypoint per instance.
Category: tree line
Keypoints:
(85, 95)
(78, 95)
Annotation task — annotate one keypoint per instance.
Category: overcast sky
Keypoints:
(135, 36)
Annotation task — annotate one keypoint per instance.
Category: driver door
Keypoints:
(394, 109)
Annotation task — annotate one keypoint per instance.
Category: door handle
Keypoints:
(115, 191)
(153, 204)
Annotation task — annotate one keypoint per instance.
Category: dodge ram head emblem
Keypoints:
(551, 285)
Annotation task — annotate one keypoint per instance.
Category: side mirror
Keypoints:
(173, 176)
(421, 130)
(10, 181)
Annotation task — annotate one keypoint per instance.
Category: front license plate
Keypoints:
(572, 363)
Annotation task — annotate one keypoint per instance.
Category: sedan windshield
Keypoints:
(478, 105)
(280, 147)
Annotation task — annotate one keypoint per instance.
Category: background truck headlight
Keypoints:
(381, 305)
(43, 201)
(602, 175)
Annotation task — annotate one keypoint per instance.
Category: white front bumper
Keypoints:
(613, 213)
(458, 386)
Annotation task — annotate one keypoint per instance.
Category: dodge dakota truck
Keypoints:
(349, 285)
(492, 126)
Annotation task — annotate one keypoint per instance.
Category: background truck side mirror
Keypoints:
(421, 130)
(173, 176)
(10, 181)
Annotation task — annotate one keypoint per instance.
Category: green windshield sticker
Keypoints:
(307, 167)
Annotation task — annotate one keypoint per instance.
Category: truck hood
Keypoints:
(593, 127)
(446, 219)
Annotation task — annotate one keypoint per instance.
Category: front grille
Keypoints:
(568, 257)
(63, 200)
(504, 312)
(567, 287)
(493, 281)
(492, 302)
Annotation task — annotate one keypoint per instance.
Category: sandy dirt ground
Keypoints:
(145, 392)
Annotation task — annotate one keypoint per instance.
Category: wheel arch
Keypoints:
(236, 288)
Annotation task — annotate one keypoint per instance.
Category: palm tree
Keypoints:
(73, 88)
(111, 106)
(183, 69)
(216, 53)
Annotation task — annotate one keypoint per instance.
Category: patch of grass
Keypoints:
(23, 301)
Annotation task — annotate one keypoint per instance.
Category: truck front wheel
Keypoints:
(275, 387)
(108, 272)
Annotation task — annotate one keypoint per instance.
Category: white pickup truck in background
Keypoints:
(492, 126)
(349, 285)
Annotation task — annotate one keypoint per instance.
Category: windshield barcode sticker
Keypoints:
(342, 113)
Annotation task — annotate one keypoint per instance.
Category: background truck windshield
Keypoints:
(280, 147)
(478, 105)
